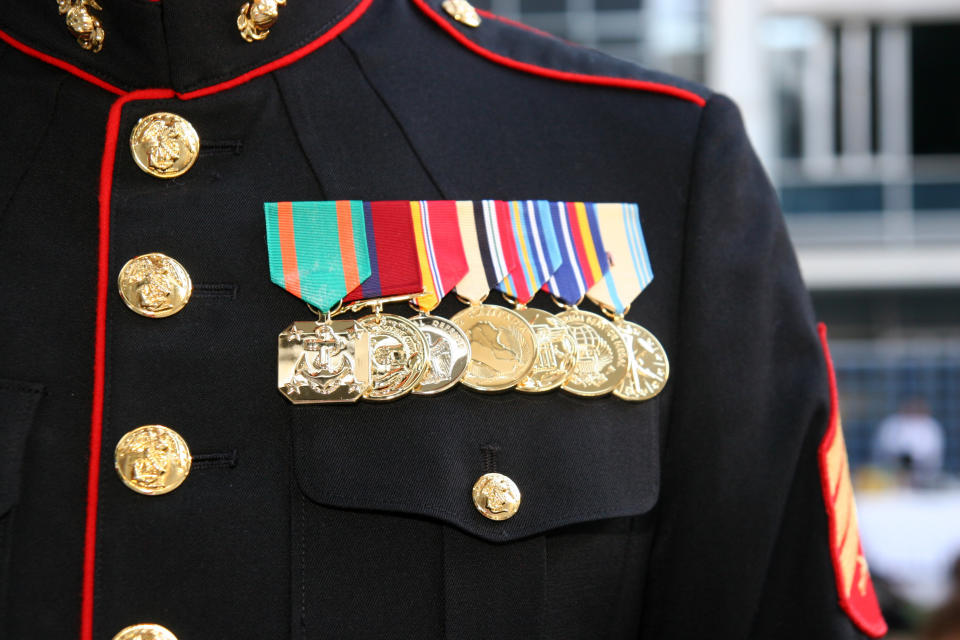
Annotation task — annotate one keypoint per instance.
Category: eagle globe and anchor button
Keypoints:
(496, 496)
(152, 460)
(154, 285)
(164, 144)
(145, 631)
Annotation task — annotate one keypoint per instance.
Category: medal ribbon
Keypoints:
(394, 265)
(585, 259)
(317, 250)
(489, 246)
(630, 271)
(537, 247)
(443, 262)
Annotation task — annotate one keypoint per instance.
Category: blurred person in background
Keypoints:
(911, 442)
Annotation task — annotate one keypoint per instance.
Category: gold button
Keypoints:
(154, 285)
(145, 632)
(496, 496)
(164, 145)
(152, 459)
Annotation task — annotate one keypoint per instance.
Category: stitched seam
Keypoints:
(680, 322)
(166, 43)
(36, 150)
(393, 116)
(303, 564)
(297, 131)
(105, 424)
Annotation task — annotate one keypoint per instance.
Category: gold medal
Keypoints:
(556, 351)
(602, 359)
(649, 367)
(448, 354)
(319, 362)
(398, 355)
(503, 346)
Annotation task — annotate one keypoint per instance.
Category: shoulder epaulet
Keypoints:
(532, 51)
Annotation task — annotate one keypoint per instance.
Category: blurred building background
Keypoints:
(854, 107)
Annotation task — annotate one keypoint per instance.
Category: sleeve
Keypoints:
(756, 531)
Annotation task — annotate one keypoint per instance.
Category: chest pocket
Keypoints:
(18, 405)
(389, 542)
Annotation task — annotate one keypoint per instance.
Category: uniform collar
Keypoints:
(185, 45)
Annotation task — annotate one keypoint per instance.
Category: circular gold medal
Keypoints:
(503, 347)
(602, 359)
(649, 367)
(448, 355)
(398, 356)
(556, 352)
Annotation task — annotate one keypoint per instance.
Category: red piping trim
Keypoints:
(99, 358)
(327, 36)
(566, 76)
(283, 61)
(57, 62)
(103, 269)
(513, 23)
(870, 622)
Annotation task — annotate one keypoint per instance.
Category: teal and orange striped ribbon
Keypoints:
(630, 271)
(317, 250)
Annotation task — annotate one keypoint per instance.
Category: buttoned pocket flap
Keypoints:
(573, 459)
(18, 405)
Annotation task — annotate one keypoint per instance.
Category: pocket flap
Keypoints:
(18, 404)
(573, 459)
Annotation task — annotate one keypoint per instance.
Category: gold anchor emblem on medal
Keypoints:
(323, 361)
(257, 18)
